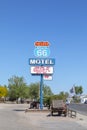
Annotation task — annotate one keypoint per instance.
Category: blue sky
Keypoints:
(61, 22)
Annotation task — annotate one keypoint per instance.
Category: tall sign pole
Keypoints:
(41, 51)
(42, 65)
(41, 92)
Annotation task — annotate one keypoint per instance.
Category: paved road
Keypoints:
(81, 108)
(13, 117)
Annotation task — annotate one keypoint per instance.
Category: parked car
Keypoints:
(85, 102)
(67, 102)
(34, 104)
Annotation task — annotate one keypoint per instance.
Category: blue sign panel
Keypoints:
(41, 61)
(41, 51)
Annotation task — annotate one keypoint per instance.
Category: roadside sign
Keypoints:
(41, 70)
(41, 65)
(47, 77)
(41, 51)
(41, 43)
(41, 61)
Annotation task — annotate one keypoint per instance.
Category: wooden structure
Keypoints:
(71, 113)
(58, 106)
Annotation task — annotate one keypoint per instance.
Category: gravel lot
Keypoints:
(13, 116)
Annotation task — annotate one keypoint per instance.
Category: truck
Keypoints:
(58, 106)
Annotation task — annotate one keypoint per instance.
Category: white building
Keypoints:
(83, 98)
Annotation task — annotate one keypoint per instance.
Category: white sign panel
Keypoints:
(41, 70)
(47, 77)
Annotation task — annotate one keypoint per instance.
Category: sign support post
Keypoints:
(42, 66)
(41, 92)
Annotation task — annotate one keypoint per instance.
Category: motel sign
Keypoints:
(39, 61)
(41, 65)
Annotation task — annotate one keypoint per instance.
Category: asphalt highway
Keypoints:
(81, 108)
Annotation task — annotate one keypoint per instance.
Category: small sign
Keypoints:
(41, 70)
(47, 77)
(41, 43)
(42, 51)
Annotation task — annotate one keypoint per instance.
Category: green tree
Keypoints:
(47, 91)
(78, 90)
(27, 95)
(17, 87)
(34, 90)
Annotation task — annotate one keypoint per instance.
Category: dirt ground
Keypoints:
(38, 120)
